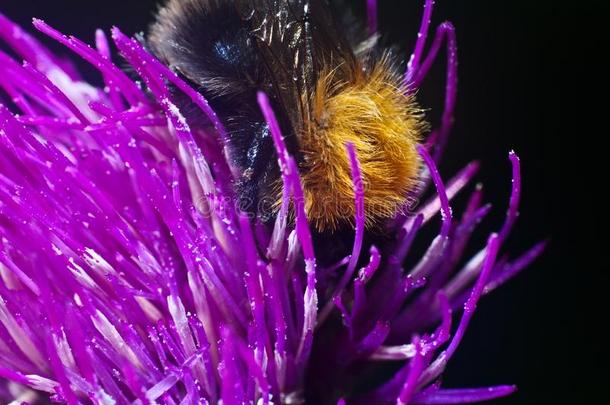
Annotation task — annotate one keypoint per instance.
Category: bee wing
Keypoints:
(298, 39)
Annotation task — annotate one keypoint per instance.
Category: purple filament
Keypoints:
(126, 275)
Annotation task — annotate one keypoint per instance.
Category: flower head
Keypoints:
(129, 276)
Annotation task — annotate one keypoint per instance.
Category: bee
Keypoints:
(326, 87)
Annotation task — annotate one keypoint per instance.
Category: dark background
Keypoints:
(531, 79)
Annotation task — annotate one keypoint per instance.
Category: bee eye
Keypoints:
(226, 51)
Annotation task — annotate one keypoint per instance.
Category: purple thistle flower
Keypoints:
(128, 276)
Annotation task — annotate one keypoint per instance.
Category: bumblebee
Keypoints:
(327, 88)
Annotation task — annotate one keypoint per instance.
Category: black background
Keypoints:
(531, 79)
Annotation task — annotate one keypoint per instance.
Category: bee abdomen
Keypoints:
(376, 113)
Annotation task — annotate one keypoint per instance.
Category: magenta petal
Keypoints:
(128, 274)
(463, 396)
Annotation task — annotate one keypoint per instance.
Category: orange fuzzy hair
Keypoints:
(375, 113)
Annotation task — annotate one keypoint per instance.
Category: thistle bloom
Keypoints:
(128, 276)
